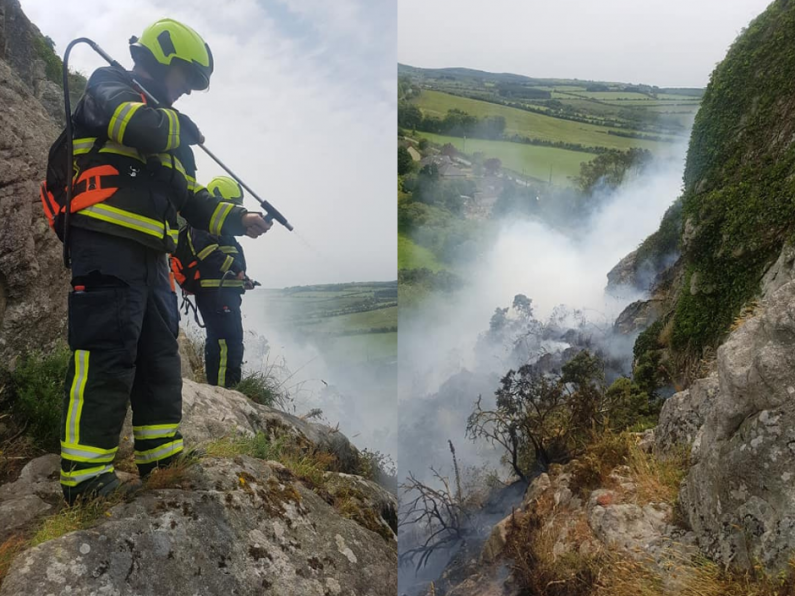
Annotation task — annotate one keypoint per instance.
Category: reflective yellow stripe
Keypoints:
(119, 149)
(193, 186)
(230, 250)
(125, 218)
(84, 453)
(76, 394)
(155, 431)
(190, 244)
(121, 117)
(205, 252)
(75, 477)
(219, 217)
(173, 129)
(82, 146)
(216, 283)
(227, 264)
(222, 364)
(170, 161)
(158, 453)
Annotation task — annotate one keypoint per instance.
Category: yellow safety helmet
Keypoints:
(226, 188)
(167, 41)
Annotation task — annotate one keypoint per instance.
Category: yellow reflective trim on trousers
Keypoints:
(87, 454)
(222, 364)
(219, 217)
(76, 395)
(119, 149)
(227, 264)
(216, 283)
(126, 219)
(121, 117)
(158, 453)
(155, 431)
(83, 145)
(205, 252)
(75, 477)
(229, 250)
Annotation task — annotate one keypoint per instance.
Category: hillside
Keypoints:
(701, 504)
(264, 502)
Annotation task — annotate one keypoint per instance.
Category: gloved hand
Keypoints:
(255, 225)
(189, 133)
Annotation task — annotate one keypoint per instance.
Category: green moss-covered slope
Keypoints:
(738, 205)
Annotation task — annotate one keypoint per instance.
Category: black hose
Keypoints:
(67, 102)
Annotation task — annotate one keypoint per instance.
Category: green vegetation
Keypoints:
(739, 189)
(533, 161)
(37, 389)
(414, 256)
(259, 387)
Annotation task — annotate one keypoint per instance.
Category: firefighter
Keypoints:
(221, 282)
(134, 170)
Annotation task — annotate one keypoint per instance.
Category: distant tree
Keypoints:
(423, 144)
(409, 116)
(405, 162)
(492, 166)
(609, 169)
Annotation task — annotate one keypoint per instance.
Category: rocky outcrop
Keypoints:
(739, 495)
(26, 51)
(33, 281)
(230, 526)
(683, 415)
(241, 527)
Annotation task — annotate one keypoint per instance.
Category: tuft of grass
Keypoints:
(79, 516)
(602, 455)
(657, 479)
(260, 387)
(305, 462)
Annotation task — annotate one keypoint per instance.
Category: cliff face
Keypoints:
(732, 301)
(33, 281)
(737, 210)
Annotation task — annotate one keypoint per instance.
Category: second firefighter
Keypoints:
(213, 267)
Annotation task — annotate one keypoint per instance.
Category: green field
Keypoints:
(608, 95)
(414, 256)
(530, 160)
(352, 324)
(529, 124)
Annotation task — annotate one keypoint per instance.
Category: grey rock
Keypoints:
(244, 527)
(683, 414)
(623, 274)
(33, 281)
(210, 413)
(637, 316)
(39, 477)
(780, 273)
(739, 496)
(18, 513)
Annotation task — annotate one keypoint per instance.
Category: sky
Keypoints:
(669, 43)
(301, 105)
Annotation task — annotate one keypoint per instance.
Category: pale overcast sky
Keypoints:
(659, 42)
(301, 105)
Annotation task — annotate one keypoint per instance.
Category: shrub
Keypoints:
(37, 386)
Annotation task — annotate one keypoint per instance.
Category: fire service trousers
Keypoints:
(123, 335)
(223, 350)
